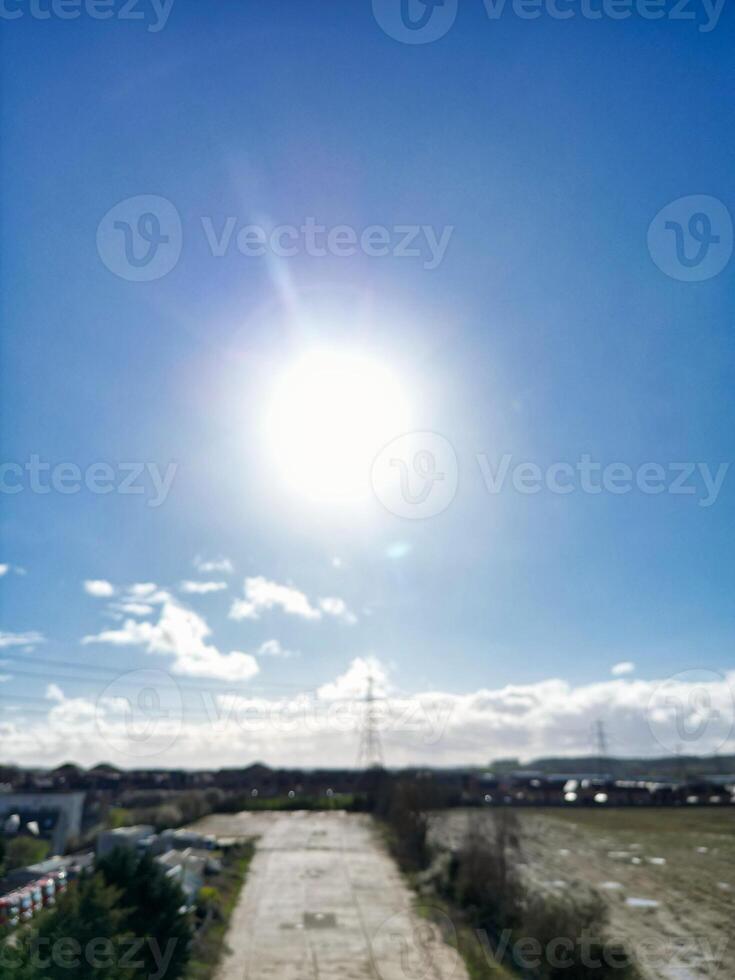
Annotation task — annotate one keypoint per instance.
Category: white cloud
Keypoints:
(262, 594)
(624, 667)
(4, 678)
(272, 648)
(132, 633)
(209, 662)
(134, 608)
(215, 565)
(550, 717)
(182, 633)
(337, 608)
(147, 593)
(4, 569)
(99, 588)
(142, 589)
(29, 639)
(202, 588)
(136, 599)
(353, 684)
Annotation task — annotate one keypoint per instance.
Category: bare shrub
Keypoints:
(486, 880)
(407, 807)
(542, 934)
(571, 931)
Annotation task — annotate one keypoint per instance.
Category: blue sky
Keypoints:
(546, 332)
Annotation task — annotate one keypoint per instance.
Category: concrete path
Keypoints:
(323, 901)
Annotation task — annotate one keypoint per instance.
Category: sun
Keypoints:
(329, 414)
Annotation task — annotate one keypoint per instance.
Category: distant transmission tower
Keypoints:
(370, 752)
(681, 765)
(601, 742)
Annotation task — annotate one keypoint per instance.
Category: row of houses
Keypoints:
(106, 778)
(533, 788)
(102, 778)
(63, 813)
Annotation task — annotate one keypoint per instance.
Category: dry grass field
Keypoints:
(667, 875)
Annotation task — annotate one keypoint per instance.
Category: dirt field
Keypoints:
(667, 875)
(323, 901)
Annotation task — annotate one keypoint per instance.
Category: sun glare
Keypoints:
(330, 413)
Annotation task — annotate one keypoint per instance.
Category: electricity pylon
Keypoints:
(370, 752)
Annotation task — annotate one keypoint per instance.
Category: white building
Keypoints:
(58, 815)
(188, 869)
(125, 837)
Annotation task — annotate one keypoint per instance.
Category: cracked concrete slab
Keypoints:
(324, 901)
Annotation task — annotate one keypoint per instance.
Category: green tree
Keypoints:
(154, 911)
(118, 816)
(83, 937)
(22, 851)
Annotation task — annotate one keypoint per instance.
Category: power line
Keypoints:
(181, 680)
(187, 685)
